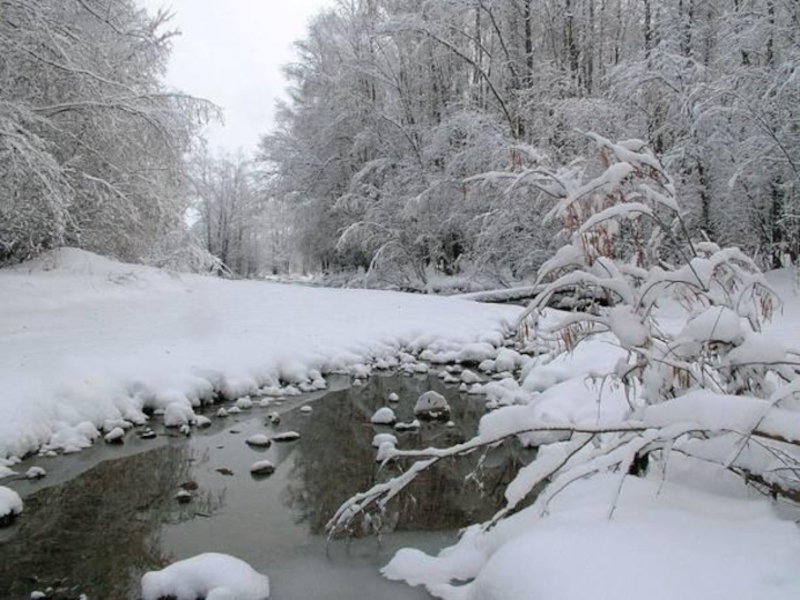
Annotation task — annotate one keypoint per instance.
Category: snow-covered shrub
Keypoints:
(700, 378)
(628, 253)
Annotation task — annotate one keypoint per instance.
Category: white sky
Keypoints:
(230, 52)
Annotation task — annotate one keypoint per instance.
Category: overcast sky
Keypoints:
(230, 52)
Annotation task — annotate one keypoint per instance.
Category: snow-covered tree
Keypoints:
(91, 143)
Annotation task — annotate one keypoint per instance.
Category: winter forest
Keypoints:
(568, 233)
(408, 125)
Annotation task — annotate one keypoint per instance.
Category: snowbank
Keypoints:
(690, 529)
(209, 575)
(663, 542)
(87, 340)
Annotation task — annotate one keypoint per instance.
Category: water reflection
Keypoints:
(97, 533)
(335, 459)
(87, 534)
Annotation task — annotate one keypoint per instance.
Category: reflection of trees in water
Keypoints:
(96, 532)
(335, 459)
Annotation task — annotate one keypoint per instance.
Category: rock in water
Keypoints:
(380, 438)
(10, 506)
(383, 416)
(259, 440)
(432, 405)
(262, 468)
(35, 473)
(286, 436)
(115, 436)
(407, 426)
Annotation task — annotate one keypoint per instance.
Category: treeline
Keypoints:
(92, 146)
(411, 125)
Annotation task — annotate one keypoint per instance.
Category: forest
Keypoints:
(408, 147)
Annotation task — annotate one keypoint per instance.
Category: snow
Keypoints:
(114, 436)
(383, 416)
(262, 467)
(415, 424)
(431, 403)
(178, 413)
(114, 338)
(209, 575)
(688, 529)
(10, 503)
(35, 473)
(662, 543)
(476, 353)
(380, 438)
(259, 440)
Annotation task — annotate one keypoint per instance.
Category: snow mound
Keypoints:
(383, 416)
(10, 504)
(432, 405)
(259, 440)
(664, 542)
(209, 575)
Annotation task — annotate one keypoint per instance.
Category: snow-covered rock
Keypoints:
(244, 403)
(177, 414)
(286, 436)
(222, 412)
(307, 409)
(10, 505)
(259, 440)
(115, 436)
(476, 353)
(385, 450)
(432, 405)
(380, 438)
(35, 473)
(507, 360)
(202, 421)
(407, 426)
(470, 377)
(487, 366)
(204, 576)
(383, 416)
(262, 467)
(393, 397)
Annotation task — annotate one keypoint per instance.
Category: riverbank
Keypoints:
(87, 341)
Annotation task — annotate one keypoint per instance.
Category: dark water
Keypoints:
(101, 518)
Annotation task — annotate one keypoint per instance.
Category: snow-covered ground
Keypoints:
(86, 340)
(689, 529)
